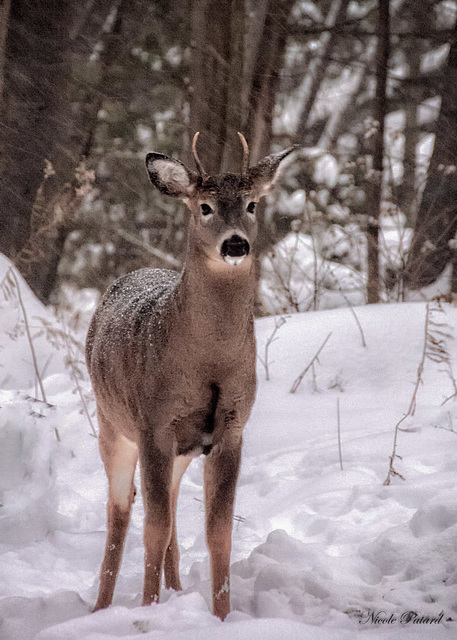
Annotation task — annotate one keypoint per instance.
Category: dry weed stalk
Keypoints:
(434, 349)
(279, 322)
(76, 374)
(355, 316)
(338, 422)
(12, 281)
(298, 380)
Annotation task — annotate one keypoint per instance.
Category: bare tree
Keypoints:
(336, 122)
(5, 7)
(34, 109)
(375, 173)
(436, 224)
(66, 183)
(318, 64)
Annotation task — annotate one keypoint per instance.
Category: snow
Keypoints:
(296, 278)
(318, 552)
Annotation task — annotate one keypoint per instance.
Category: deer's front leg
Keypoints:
(220, 477)
(156, 476)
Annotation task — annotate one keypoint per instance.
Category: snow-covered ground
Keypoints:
(318, 551)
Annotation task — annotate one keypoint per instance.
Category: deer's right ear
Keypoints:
(170, 176)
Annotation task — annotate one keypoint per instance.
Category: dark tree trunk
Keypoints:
(375, 173)
(267, 66)
(231, 156)
(34, 109)
(436, 225)
(61, 193)
(339, 120)
(5, 7)
(421, 16)
(317, 66)
(233, 81)
(212, 52)
(265, 78)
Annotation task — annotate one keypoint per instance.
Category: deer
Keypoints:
(171, 357)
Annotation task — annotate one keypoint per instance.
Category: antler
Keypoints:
(198, 164)
(245, 152)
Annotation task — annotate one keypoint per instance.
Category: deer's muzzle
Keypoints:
(235, 249)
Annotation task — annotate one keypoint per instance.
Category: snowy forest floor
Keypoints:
(318, 551)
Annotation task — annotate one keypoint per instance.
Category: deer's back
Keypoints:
(130, 323)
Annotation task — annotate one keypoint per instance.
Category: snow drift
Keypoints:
(318, 551)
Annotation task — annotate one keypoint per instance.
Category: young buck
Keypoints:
(172, 362)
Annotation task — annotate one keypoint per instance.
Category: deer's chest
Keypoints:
(193, 421)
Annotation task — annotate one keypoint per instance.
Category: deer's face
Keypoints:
(223, 224)
(223, 219)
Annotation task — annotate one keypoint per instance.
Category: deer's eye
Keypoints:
(206, 209)
(251, 207)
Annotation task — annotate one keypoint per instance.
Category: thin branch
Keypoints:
(15, 282)
(412, 404)
(27, 330)
(297, 382)
(76, 381)
(279, 322)
(339, 432)
(157, 253)
(351, 309)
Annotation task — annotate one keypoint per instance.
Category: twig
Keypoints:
(339, 432)
(297, 382)
(454, 395)
(313, 371)
(76, 381)
(15, 283)
(157, 253)
(279, 322)
(27, 330)
(351, 309)
(412, 404)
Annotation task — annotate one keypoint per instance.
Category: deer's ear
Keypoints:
(170, 176)
(266, 172)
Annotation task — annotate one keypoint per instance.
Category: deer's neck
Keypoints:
(215, 299)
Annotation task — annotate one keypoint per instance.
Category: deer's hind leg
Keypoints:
(171, 566)
(119, 456)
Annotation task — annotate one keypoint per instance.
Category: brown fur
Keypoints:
(172, 363)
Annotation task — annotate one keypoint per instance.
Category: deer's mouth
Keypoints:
(235, 249)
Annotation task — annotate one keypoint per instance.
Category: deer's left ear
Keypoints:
(266, 172)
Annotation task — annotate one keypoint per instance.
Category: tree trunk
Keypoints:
(421, 16)
(34, 109)
(5, 7)
(64, 187)
(262, 98)
(374, 176)
(232, 152)
(265, 78)
(436, 225)
(337, 121)
(318, 64)
(233, 86)
(211, 48)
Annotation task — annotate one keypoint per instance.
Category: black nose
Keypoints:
(235, 247)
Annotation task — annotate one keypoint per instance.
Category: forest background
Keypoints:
(367, 89)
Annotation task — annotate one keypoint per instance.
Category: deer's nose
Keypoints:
(235, 247)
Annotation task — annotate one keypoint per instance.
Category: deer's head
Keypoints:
(223, 224)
